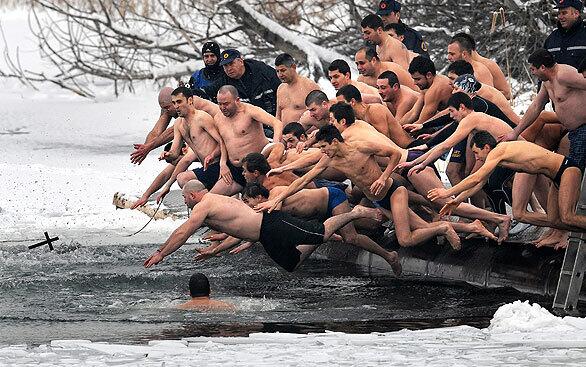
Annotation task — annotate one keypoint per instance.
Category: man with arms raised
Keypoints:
(435, 91)
(370, 67)
(526, 157)
(287, 240)
(241, 128)
(293, 90)
(398, 98)
(375, 114)
(388, 48)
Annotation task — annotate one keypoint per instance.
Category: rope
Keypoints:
(147, 223)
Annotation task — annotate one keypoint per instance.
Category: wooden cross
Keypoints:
(48, 241)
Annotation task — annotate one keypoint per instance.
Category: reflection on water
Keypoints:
(103, 293)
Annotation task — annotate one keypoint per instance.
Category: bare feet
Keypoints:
(478, 228)
(364, 212)
(550, 232)
(393, 259)
(563, 244)
(556, 237)
(504, 227)
(452, 237)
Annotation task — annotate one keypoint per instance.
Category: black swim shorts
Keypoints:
(281, 233)
(578, 146)
(208, 177)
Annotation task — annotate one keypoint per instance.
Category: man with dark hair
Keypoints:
(568, 42)
(498, 77)
(527, 159)
(375, 114)
(437, 91)
(317, 104)
(255, 168)
(370, 67)
(388, 48)
(398, 98)
(255, 81)
(293, 134)
(460, 48)
(390, 13)
(397, 31)
(199, 290)
(287, 240)
(293, 89)
(340, 75)
(241, 128)
(210, 53)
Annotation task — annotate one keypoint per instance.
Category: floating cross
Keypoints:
(48, 241)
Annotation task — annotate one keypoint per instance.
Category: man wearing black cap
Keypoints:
(255, 81)
(390, 12)
(210, 53)
(568, 42)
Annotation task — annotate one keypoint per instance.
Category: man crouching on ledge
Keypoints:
(286, 239)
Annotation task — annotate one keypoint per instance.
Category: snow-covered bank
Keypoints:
(520, 334)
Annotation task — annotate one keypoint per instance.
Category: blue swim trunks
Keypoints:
(335, 198)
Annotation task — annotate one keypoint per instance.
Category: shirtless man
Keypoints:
(195, 128)
(397, 31)
(293, 90)
(370, 67)
(241, 128)
(287, 240)
(498, 77)
(322, 203)
(339, 74)
(567, 89)
(161, 133)
(526, 157)
(460, 48)
(317, 115)
(435, 91)
(199, 290)
(376, 114)
(388, 48)
(293, 134)
(398, 98)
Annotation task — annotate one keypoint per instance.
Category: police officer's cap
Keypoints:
(385, 7)
(576, 4)
(229, 55)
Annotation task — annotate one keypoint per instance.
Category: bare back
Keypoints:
(404, 102)
(393, 50)
(499, 80)
(291, 98)
(306, 203)
(241, 134)
(197, 138)
(496, 96)
(209, 107)
(231, 216)
(477, 121)
(523, 156)
(482, 73)
(363, 131)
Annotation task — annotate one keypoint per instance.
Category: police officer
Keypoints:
(390, 12)
(212, 70)
(255, 81)
(568, 42)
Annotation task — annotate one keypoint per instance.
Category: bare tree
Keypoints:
(125, 41)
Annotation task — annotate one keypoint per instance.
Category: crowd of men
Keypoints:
(345, 162)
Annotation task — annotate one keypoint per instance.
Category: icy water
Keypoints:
(102, 293)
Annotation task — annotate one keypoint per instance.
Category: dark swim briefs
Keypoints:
(208, 177)
(566, 163)
(386, 201)
(578, 147)
(459, 152)
(281, 233)
(335, 198)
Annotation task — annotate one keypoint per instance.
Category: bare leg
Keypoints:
(350, 235)
(422, 230)
(221, 188)
(569, 193)
(184, 177)
(475, 227)
(334, 223)
(427, 180)
(556, 236)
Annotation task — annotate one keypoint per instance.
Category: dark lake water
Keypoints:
(103, 293)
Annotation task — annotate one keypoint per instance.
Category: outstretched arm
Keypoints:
(295, 186)
(306, 160)
(180, 235)
(182, 166)
(413, 114)
(158, 182)
(530, 115)
(473, 183)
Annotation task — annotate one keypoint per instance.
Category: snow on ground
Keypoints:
(520, 334)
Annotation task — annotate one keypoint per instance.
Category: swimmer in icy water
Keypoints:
(199, 289)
